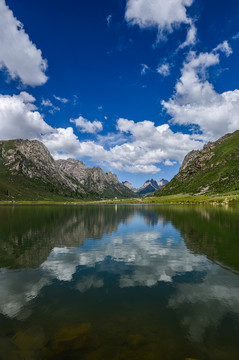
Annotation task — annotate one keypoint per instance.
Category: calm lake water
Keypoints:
(119, 282)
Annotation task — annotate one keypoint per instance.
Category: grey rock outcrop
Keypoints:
(129, 185)
(94, 179)
(32, 161)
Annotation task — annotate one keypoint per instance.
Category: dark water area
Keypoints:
(119, 282)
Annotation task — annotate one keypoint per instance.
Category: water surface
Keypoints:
(119, 282)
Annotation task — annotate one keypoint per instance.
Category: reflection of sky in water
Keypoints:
(147, 254)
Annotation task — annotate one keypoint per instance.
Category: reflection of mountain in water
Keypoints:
(28, 234)
(146, 252)
(207, 231)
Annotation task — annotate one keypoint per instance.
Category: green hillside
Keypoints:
(19, 187)
(212, 170)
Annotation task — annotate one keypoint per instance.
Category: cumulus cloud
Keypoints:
(144, 146)
(148, 145)
(196, 102)
(160, 14)
(86, 126)
(63, 143)
(163, 69)
(26, 97)
(18, 54)
(18, 118)
(135, 147)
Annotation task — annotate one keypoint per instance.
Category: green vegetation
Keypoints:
(211, 177)
(214, 171)
(217, 199)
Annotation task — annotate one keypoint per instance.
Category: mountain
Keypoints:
(149, 187)
(129, 185)
(214, 169)
(29, 172)
(94, 180)
(162, 183)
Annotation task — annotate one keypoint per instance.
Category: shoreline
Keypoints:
(179, 199)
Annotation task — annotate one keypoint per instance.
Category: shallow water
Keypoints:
(119, 282)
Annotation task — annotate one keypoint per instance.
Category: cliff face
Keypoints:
(28, 171)
(33, 160)
(129, 185)
(214, 169)
(94, 179)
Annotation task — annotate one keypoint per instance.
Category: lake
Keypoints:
(119, 282)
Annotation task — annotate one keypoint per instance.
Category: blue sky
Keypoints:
(131, 86)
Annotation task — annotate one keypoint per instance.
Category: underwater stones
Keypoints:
(135, 340)
(28, 343)
(75, 337)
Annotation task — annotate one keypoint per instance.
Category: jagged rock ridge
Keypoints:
(28, 171)
(95, 179)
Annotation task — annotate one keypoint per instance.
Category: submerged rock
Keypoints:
(135, 340)
(75, 337)
(29, 343)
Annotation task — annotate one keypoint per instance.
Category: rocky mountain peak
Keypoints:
(31, 159)
(129, 185)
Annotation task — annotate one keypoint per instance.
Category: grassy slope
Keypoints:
(220, 173)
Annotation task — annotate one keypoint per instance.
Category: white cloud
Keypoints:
(63, 100)
(137, 148)
(26, 97)
(86, 126)
(235, 37)
(169, 163)
(164, 15)
(108, 20)
(48, 103)
(196, 102)
(163, 69)
(191, 37)
(18, 118)
(18, 54)
(144, 69)
(224, 47)
(147, 146)
(63, 143)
